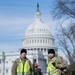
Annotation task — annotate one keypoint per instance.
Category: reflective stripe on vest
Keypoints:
(51, 69)
(54, 71)
(23, 68)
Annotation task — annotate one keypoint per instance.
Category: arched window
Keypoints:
(40, 29)
(41, 49)
(6, 61)
(38, 40)
(46, 40)
(34, 48)
(35, 40)
(44, 49)
(12, 61)
(38, 49)
(0, 61)
(30, 41)
(6, 71)
(43, 40)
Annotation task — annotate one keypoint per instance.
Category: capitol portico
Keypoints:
(37, 40)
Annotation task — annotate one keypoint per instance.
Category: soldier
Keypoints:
(56, 65)
(22, 65)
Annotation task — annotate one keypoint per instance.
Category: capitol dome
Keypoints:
(37, 27)
(37, 35)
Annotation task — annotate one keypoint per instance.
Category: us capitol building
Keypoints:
(37, 41)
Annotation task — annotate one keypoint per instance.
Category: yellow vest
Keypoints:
(23, 68)
(52, 69)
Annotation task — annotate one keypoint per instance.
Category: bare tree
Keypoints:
(63, 8)
(65, 36)
(66, 41)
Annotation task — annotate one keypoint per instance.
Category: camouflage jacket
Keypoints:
(15, 64)
(60, 64)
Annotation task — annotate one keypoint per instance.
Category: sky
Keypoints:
(16, 16)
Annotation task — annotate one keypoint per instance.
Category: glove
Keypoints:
(53, 63)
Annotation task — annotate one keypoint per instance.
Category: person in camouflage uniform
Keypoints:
(56, 65)
(22, 65)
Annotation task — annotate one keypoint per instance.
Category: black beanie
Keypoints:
(51, 51)
(23, 50)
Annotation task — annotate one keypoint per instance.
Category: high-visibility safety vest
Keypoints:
(52, 69)
(23, 68)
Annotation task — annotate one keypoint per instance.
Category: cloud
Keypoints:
(13, 26)
(12, 21)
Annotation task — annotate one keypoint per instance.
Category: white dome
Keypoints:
(37, 35)
(38, 27)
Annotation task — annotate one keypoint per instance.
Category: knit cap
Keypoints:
(51, 51)
(23, 51)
